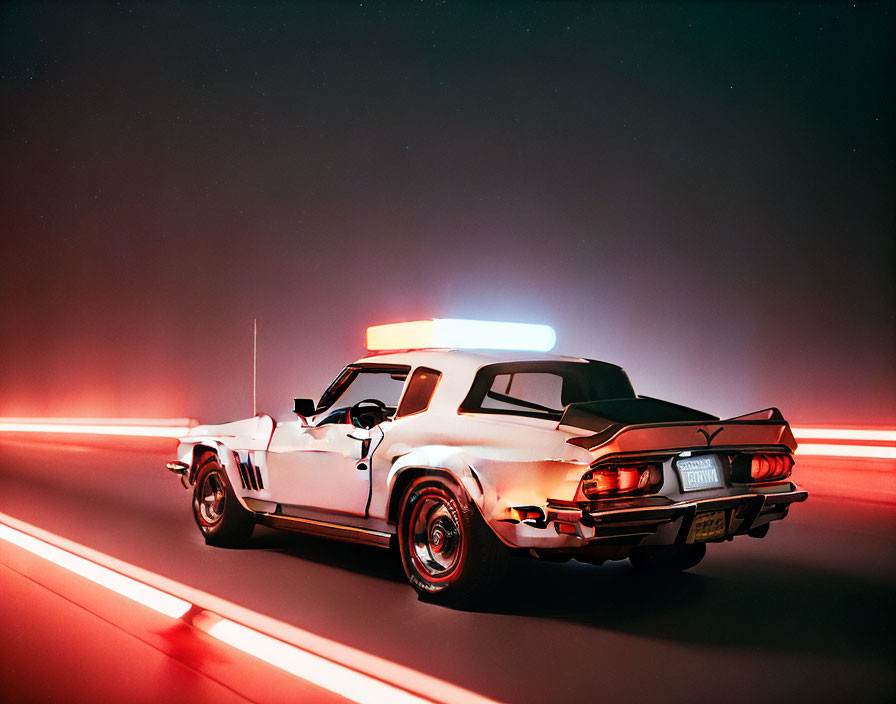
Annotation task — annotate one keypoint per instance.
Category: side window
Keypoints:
(419, 392)
(537, 391)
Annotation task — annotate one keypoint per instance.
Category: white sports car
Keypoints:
(462, 457)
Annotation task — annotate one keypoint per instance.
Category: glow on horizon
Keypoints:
(883, 452)
(88, 428)
(855, 434)
(452, 333)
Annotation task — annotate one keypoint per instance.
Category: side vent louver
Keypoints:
(250, 475)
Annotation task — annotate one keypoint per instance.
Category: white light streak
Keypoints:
(347, 683)
(147, 431)
(854, 434)
(132, 589)
(870, 451)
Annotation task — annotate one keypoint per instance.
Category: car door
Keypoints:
(324, 467)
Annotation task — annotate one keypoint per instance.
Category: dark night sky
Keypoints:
(700, 192)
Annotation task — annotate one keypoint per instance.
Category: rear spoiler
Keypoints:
(645, 425)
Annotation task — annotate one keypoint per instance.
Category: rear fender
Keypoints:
(441, 460)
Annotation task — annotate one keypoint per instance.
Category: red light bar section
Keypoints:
(452, 333)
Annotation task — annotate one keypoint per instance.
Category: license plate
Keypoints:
(708, 526)
(701, 472)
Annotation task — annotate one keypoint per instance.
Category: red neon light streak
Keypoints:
(851, 439)
(144, 428)
(367, 682)
(851, 434)
(310, 667)
(869, 451)
(132, 589)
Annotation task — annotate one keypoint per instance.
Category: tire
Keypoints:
(668, 558)
(221, 518)
(449, 554)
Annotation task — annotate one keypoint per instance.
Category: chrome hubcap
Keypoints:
(213, 497)
(435, 536)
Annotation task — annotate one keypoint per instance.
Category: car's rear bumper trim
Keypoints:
(632, 522)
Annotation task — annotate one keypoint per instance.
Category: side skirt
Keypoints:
(324, 529)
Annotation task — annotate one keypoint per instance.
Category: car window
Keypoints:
(419, 392)
(525, 390)
(542, 389)
(384, 386)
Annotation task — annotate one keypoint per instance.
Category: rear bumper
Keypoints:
(572, 528)
(743, 513)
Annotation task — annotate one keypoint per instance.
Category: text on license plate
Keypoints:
(708, 526)
(699, 472)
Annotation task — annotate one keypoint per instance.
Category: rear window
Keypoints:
(540, 391)
(419, 392)
(544, 389)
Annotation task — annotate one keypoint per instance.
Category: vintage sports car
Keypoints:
(462, 457)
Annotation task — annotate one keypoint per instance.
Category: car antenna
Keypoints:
(254, 360)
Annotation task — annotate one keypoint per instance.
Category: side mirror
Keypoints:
(304, 407)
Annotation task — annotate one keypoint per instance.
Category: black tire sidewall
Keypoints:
(483, 559)
(235, 524)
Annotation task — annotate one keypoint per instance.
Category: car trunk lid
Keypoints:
(645, 424)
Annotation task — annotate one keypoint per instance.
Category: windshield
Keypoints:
(544, 389)
(359, 382)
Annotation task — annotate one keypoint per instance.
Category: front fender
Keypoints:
(191, 448)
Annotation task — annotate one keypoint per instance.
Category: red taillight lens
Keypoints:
(627, 480)
(759, 467)
(605, 481)
(772, 466)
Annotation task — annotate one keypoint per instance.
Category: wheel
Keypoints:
(668, 558)
(449, 554)
(221, 518)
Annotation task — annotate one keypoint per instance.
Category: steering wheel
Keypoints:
(360, 418)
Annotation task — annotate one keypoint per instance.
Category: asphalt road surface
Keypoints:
(806, 614)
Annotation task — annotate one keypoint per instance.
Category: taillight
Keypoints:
(624, 480)
(763, 467)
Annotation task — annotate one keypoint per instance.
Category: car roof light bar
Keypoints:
(452, 333)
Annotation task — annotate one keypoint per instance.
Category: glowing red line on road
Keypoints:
(132, 589)
(347, 683)
(372, 686)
